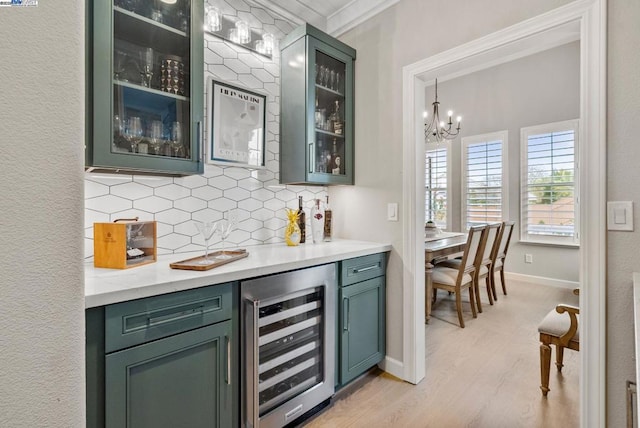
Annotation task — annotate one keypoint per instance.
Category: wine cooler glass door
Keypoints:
(287, 350)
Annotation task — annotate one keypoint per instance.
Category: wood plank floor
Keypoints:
(485, 375)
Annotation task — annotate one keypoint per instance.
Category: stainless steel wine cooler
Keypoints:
(288, 345)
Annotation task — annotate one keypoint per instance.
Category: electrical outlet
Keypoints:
(528, 258)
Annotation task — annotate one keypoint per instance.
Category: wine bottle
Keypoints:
(327, 221)
(301, 220)
(336, 163)
(317, 222)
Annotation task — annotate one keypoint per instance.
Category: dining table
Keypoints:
(438, 248)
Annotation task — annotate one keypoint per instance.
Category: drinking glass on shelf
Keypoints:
(332, 80)
(156, 136)
(118, 132)
(225, 227)
(207, 229)
(119, 66)
(176, 137)
(146, 57)
(134, 133)
(337, 82)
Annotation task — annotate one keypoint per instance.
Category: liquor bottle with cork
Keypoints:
(301, 220)
(327, 221)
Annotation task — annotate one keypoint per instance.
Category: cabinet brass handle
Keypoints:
(228, 360)
(345, 314)
(200, 141)
(365, 269)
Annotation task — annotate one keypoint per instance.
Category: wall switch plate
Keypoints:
(528, 258)
(392, 211)
(620, 215)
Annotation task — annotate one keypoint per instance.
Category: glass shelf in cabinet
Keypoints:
(150, 90)
(332, 91)
(149, 21)
(322, 131)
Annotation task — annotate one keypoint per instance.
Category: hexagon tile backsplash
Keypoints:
(175, 201)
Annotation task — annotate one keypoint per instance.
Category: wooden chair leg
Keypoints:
(477, 293)
(471, 301)
(504, 285)
(489, 291)
(459, 308)
(493, 284)
(434, 295)
(545, 365)
(559, 357)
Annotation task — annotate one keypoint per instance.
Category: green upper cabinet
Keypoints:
(146, 84)
(316, 105)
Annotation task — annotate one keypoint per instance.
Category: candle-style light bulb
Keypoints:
(450, 113)
(459, 119)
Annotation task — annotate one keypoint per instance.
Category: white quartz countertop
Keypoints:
(107, 286)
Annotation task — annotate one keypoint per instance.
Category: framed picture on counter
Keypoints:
(236, 125)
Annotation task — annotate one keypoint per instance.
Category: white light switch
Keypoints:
(392, 211)
(620, 215)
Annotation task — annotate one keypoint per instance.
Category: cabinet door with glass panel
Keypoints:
(317, 109)
(147, 86)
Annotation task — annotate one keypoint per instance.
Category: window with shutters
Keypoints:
(484, 181)
(549, 212)
(436, 184)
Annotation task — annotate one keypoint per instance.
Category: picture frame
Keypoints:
(236, 119)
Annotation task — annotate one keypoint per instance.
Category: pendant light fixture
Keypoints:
(437, 130)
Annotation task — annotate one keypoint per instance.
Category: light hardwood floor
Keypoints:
(485, 375)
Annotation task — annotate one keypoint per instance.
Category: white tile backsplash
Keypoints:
(175, 201)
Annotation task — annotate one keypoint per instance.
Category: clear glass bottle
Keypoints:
(336, 120)
(327, 221)
(302, 219)
(317, 222)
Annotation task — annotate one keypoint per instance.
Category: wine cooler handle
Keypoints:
(311, 156)
(200, 140)
(255, 326)
(228, 360)
(345, 314)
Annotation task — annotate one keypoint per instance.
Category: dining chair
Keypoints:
(560, 328)
(454, 280)
(498, 256)
(482, 263)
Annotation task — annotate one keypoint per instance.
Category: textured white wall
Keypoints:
(534, 90)
(401, 35)
(41, 277)
(623, 154)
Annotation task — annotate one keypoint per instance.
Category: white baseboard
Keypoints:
(560, 283)
(393, 367)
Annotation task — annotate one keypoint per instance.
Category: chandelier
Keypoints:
(436, 130)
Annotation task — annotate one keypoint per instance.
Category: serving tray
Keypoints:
(193, 263)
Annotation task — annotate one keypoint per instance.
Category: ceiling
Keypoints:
(332, 16)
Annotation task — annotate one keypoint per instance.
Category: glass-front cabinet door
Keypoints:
(317, 109)
(147, 86)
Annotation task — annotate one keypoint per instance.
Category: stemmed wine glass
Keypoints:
(147, 66)
(225, 227)
(207, 229)
(176, 137)
(156, 136)
(134, 133)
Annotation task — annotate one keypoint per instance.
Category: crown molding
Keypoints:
(355, 13)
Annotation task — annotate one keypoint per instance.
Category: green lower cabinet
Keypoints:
(362, 327)
(179, 381)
